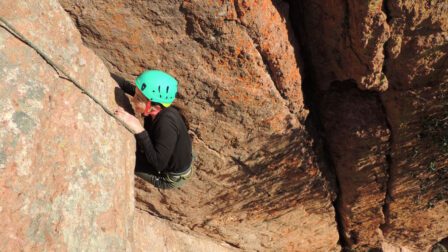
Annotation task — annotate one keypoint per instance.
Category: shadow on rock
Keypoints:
(278, 178)
(120, 97)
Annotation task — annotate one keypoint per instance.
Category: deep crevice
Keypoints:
(388, 196)
(348, 35)
(313, 124)
(388, 191)
(386, 11)
(312, 94)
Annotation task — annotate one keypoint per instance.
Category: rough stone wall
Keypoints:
(387, 144)
(375, 77)
(416, 105)
(155, 234)
(66, 167)
(358, 142)
(258, 183)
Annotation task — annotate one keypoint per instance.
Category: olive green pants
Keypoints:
(166, 180)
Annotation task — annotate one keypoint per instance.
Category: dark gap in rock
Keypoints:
(386, 10)
(338, 108)
(311, 94)
(233, 245)
(120, 97)
(386, 53)
(388, 196)
(313, 123)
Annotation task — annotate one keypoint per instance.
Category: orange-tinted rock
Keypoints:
(379, 71)
(386, 247)
(258, 183)
(358, 140)
(345, 39)
(417, 105)
(152, 233)
(399, 49)
(66, 167)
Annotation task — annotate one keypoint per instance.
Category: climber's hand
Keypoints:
(129, 119)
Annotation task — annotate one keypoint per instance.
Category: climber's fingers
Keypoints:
(120, 113)
(118, 110)
(129, 119)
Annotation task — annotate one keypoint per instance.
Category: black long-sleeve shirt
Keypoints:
(164, 145)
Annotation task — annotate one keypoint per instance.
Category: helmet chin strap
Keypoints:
(150, 110)
(147, 108)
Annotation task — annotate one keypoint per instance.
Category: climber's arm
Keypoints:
(129, 119)
(125, 85)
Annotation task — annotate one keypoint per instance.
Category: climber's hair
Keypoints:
(139, 97)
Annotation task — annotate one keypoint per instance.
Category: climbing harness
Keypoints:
(439, 248)
(176, 177)
(59, 69)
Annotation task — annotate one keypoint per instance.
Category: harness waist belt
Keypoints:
(177, 176)
(188, 170)
(174, 177)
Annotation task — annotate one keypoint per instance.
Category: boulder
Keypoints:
(66, 167)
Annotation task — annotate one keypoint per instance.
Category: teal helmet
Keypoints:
(157, 86)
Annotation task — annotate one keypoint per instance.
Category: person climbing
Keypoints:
(164, 148)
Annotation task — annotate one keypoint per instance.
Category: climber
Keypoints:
(164, 148)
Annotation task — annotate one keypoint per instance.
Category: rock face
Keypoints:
(358, 140)
(387, 144)
(65, 184)
(416, 106)
(66, 167)
(155, 234)
(258, 183)
(374, 79)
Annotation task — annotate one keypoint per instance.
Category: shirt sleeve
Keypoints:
(158, 152)
(125, 85)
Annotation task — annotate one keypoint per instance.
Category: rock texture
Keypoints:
(387, 144)
(416, 106)
(258, 183)
(66, 167)
(65, 185)
(374, 77)
(358, 141)
(156, 234)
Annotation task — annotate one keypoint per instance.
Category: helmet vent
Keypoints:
(143, 86)
(167, 88)
(159, 88)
